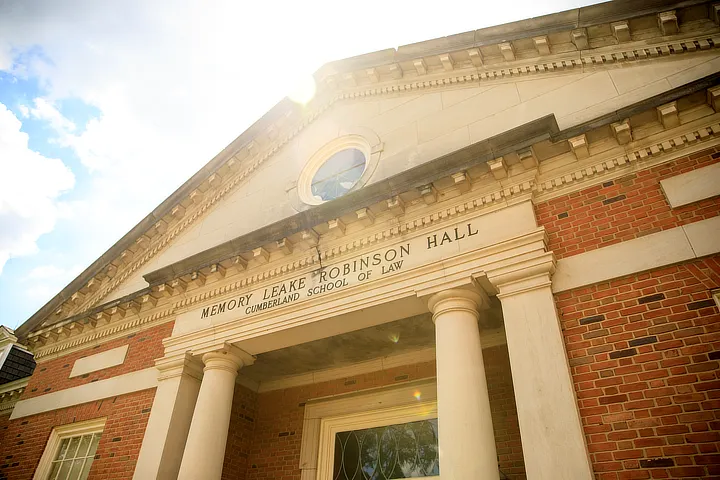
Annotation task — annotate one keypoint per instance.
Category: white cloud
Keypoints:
(24, 111)
(43, 272)
(46, 280)
(5, 56)
(29, 188)
(45, 110)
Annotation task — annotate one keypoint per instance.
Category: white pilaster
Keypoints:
(550, 428)
(169, 422)
(467, 442)
(206, 440)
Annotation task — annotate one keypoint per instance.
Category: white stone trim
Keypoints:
(99, 361)
(57, 435)
(4, 353)
(90, 392)
(10, 394)
(716, 297)
(378, 418)
(693, 186)
(675, 245)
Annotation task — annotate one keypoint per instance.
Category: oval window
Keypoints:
(338, 174)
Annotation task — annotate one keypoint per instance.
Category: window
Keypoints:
(390, 443)
(70, 451)
(74, 457)
(338, 174)
(339, 167)
(407, 450)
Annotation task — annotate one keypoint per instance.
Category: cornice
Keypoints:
(606, 57)
(10, 394)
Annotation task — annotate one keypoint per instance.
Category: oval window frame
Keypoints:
(318, 159)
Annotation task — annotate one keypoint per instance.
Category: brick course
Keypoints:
(646, 371)
(623, 209)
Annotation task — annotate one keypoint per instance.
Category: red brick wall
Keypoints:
(240, 434)
(275, 449)
(23, 440)
(504, 412)
(143, 348)
(623, 209)
(644, 353)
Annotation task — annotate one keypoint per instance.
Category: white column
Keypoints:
(169, 422)
(205, 446)
(467, 442)
(550, 428)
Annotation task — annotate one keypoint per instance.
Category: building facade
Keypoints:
(493, 255)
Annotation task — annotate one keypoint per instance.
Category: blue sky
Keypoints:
(104, 111)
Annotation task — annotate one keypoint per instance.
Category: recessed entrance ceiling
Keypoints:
(388, 339)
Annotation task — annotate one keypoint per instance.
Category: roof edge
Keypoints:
(590, 15)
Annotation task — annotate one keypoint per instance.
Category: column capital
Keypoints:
(228, 358)
(185, 364)
(458, 299)
(527, 274)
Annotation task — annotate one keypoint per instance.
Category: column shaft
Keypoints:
(168, 425)
(550, 427)
(467, 441)
(205, 446)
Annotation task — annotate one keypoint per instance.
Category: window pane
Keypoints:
(408, 450)
(62, 451)
(84, 445)
(64, 469)
(72, 448)
(76, 469)
(338, 174)
(94, 445)
(54, 470)
(86, 469)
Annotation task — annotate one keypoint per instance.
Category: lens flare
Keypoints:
(417, 395)
(304, 90)
(394, 337)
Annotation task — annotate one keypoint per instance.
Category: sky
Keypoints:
(107, 107)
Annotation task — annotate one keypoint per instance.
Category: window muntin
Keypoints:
(406, 450)
(338, 174)
(74, 457)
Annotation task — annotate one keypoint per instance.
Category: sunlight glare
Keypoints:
(304, 90)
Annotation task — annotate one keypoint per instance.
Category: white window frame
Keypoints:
(60, 433)
(329, 427)
(362, 139)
